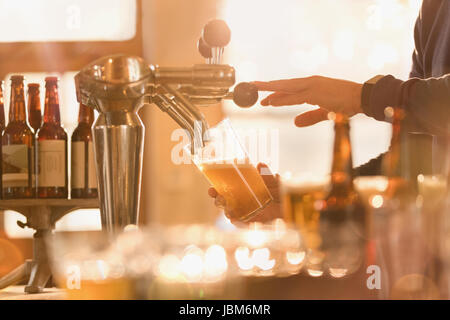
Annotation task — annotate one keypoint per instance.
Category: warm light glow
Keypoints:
(315, 272)
(376, 201)
(261, 259)
(295, 258)
(192, 265)
(343, 44)
(67, 20)
(215, 261)
(338, 272)
(242, 256)
(382, 54)
(350, 39)
(169, 267)
(256, 238)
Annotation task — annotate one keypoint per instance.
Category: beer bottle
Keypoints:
(395, 164)
(52, 147)
(17, 147)
(2, 110)
(2, 127)
(342, 217)
(34, 106)
(83, 174)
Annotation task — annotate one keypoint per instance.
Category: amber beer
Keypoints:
(302, 200)
(83, 175)
(241, 185)
(17, 147)
(52, 147)
(343, 221)
(2, 109)
(395, 164)
(2, 127)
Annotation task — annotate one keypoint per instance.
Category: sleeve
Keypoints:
(417, 66)
(370, 168)
(426, 102)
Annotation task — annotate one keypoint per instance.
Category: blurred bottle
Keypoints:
(83, 174)
(52, 147)
(34, 116)
(18, 147)
(34, 106)
(399, 225)
(2, 110)
(395, 164)
(343, 226)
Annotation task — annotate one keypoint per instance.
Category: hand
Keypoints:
(329, 94)
(273, 209)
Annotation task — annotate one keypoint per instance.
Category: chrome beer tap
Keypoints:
(117, 86)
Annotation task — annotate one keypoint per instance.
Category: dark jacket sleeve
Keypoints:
(426, 102)
(417, 59)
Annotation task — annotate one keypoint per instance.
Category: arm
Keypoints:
(426, 102)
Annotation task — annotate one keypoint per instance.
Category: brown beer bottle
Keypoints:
(342, 218)
(52, 147)
(2, 110)
(17, 147)
(83, 174)
(2, 127)
(34, 106)
(395, 165)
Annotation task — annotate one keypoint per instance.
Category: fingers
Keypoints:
(285, 85)
(267, 175)
(311, 117)
(274, 96)
(219, 202)
(285, 99)
(212, 192)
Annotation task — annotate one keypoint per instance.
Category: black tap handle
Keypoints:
(245, 94)
(216, 34)
(204, 49)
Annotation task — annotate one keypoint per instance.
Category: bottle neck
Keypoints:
(51, 108)
(394, 163)
(17, 103)
(34, 100)
(341, 170)
(86, 115)
(2, 110)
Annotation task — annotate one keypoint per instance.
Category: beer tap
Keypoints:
(117, 86)
(216, 35)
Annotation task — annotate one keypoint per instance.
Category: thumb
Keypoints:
(269, 179)
(311, 117)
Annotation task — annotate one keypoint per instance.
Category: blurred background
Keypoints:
(347, 39)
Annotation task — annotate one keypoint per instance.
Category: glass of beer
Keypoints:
(226, 165)
(302, 198)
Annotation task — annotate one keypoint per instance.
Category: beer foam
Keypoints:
(225, 163)
(371, 184)
(305, 182)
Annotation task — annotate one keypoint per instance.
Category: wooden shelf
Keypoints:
(18, 203)
(43, 213)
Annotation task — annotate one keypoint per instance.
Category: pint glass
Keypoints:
(226, 165)
(302, 201)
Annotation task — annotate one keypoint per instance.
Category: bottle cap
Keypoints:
(17, 78)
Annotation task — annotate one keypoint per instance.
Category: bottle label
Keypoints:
(17, 168)
(52, 163)
(82, 160)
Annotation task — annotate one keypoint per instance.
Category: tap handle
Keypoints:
(204, 49)
(216, 35)
(245, 94)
